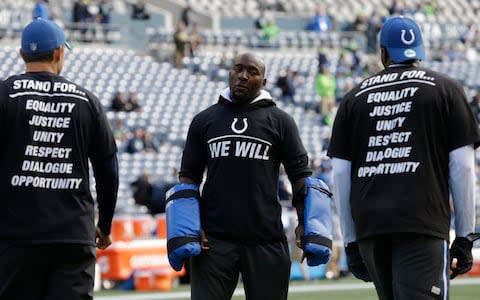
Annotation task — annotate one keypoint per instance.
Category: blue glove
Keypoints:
(183, 224)
(318, 225)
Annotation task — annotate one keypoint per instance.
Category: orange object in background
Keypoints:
(142, 226)
(162, 280)
(161, 222)
(475, 271)
(122, 228)
(143, 281)
(121, 259)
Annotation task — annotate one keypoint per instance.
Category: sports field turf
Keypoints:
(344, 289)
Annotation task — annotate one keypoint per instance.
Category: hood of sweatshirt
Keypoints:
(262, 100)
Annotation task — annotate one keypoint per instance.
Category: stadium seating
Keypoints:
(171, 97)
(460, 11)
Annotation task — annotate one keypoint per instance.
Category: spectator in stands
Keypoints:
(356, 67)
(139, 11)
(79, 11)
(142, 190)
(181, 40)
(80, 17)
(374, 24)
(322, 56)
(40, 9)
(226, 60)
(150, 143)
(151, 194)
(120, 131)
(286, 84)
(395, 8)
(360, 24)
(105, 9)
(270, 29)
(195, 39)
(321, 22)
(119, 102)
(136, 143)
(133, 103)
(325, 87)
(430, 8)
(188, 16)
(454, 52)
(259, 22)
(468, 35)
(475, 106)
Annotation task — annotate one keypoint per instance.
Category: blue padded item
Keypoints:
(183, 223)
(318, 224)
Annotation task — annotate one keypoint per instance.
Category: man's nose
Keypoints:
(243, 75)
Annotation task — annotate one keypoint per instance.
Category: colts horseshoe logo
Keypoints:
(412, 39)
(242, 130)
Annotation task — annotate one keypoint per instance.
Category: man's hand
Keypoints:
(299, 230)
(298, 236)
(461, 259)
(355, 262)
(204, 241)
(102, 241)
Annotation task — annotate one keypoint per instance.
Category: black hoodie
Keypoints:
(242, 147)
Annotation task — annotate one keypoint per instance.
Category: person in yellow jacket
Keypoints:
(325, 86)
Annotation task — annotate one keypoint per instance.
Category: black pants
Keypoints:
(46, 272)
(407, 266)
(265, 271)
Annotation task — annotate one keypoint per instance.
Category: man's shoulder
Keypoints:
(438, 76)
(206, 113)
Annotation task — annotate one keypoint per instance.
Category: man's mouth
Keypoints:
(241, 88)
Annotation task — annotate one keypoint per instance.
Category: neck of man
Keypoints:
(35, 67)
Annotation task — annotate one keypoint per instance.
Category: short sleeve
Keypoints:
(194, 153)
(340, 142)
(462, 125)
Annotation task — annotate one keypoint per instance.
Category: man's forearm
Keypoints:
(462, 183)
(342, 182)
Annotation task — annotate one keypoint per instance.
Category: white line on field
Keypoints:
(292, 290)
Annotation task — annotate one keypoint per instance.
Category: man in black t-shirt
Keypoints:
(240, 142)
(402, 140)
(50, 128)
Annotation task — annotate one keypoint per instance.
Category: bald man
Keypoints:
(240, 142)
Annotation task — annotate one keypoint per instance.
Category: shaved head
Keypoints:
(246, 78)
(253, 58)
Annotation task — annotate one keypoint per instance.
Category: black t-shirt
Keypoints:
(397, 128)
(242, 148)
(49, 127)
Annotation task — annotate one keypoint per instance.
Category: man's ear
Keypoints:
(57, 53)
(384, 56)
(264, 81)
